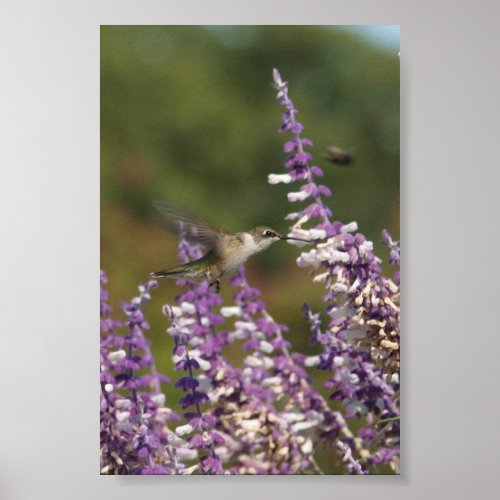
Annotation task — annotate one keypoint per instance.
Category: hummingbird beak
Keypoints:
(295, 239)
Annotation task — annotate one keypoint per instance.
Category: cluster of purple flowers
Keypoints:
(361, 340)
(264, 416)
(134, 418)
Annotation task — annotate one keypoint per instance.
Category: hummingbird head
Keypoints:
(263, 237)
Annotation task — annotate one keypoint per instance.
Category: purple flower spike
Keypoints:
(133, 411)
(361, 341)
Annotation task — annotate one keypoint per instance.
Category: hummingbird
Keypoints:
(226, 251)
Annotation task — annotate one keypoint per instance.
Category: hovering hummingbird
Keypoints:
(227, 251)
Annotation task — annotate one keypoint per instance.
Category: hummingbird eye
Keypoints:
(270, 234)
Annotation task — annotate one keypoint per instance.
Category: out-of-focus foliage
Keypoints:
(188, 115)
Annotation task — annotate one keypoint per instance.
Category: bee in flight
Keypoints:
(339, 156)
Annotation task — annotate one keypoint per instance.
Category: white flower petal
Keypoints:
(117, 355)
(324, 255)
(251, 425)
(188, 308)
(308, 258)
(189, 470)
(339, 288)
(336, 256)
(123, 403)
(307, 447)
(338, 361)
(297, 196)
(266, 347)
(355, 285)
(349, 228)
(182, 430)
(253, 362)
(320, 277)
(230, 311)
(308, 234)
(311, 361)
(245, 325)
(159, 399)
(302, 426)
(122, 416)
(176, 311)
(186, 454)
(293, 416)
(204, 364)
(183, 321)
(272, 381)
(277, 178)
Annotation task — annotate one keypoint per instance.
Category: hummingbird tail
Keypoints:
(196, 270)
(167, 273)
(183, 271)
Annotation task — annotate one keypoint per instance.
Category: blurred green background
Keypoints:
(188, 114)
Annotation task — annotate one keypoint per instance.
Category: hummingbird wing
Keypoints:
(193, 228)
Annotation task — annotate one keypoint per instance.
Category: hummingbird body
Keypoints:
(227, 251)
